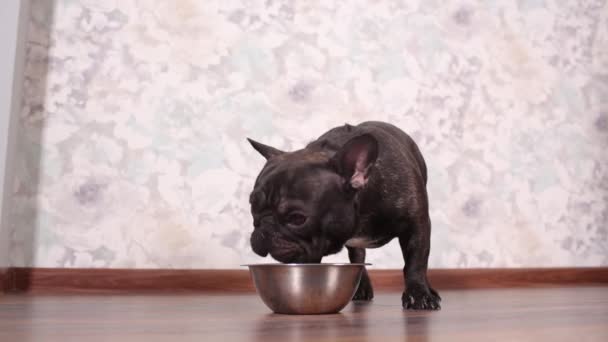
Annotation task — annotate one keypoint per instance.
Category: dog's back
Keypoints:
(398, 182)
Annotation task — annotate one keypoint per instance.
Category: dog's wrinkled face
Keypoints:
(303, 202)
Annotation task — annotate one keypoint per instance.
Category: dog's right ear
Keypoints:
(355, 159)
(265, 150)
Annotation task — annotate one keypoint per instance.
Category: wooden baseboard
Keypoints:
(71, 280)
(486, 278)
(127, 280)
(3, 280)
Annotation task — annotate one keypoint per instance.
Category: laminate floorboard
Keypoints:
(522, 314)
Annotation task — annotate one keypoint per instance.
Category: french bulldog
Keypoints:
(355, 186)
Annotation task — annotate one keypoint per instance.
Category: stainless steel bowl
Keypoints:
(306, 289)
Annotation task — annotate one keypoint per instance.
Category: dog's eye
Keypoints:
(296, 219)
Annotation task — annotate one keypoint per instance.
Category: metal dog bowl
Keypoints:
(306, 289)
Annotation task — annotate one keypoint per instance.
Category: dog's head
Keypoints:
(303, 202)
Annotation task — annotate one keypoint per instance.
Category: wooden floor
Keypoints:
(549, 314)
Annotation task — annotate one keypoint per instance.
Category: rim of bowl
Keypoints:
(309, 264)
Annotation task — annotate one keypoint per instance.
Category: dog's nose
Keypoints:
(258, 244)
(264, 217)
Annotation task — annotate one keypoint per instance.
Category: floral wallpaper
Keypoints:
(132, 149)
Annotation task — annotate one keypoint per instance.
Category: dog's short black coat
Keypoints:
(355, 186)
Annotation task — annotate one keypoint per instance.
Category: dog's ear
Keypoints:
(265, 150)
(355, 159)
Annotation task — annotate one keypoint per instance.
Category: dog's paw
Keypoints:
(434, 293)
(420, 297)
(365, 290)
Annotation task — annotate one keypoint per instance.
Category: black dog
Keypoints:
(359, 186)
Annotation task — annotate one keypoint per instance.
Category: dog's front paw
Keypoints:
(420, 297)
(365, 290)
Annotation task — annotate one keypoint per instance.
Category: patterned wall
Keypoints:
(132, 148)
